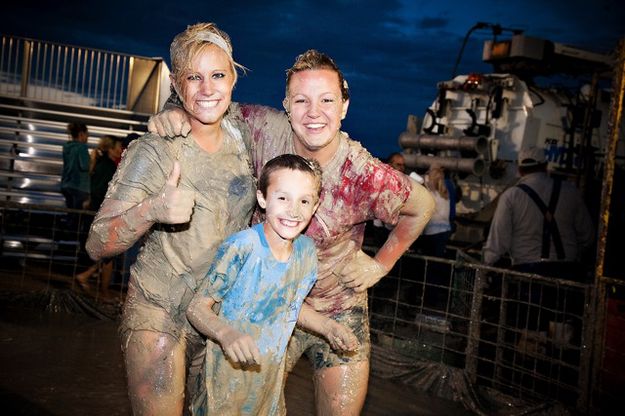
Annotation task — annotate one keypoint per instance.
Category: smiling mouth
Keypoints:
(207, 103)
(289, 223)
(315, 126)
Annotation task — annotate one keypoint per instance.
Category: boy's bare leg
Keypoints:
(155, 366)
(341, 390)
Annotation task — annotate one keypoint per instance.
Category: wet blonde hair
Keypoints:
(313, 59)
(188, 44)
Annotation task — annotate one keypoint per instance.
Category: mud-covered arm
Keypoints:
(364, 271)
(414, 216)
(119, 224)
(172, 121)
(339, 336)
(237, 346)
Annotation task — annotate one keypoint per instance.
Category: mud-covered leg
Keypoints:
(155, 367)
(341, 390)
(195, 382)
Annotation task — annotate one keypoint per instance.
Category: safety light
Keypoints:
(474, 81)
(500, 50)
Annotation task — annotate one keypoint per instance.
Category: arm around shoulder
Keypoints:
(172, 121)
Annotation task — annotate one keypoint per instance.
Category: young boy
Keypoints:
(261, 276)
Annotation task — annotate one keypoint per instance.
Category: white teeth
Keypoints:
(289, 223)
(315, 126)
(207, 104)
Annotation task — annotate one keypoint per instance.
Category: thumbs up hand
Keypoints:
(172, 205)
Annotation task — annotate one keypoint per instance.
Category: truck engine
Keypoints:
(541, 94)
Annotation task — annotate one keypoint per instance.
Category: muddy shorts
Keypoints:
(141, 314)
(319, 351)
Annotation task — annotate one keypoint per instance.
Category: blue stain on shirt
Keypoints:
(260, 295)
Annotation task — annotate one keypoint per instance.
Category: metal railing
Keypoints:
(42, 248)
(497, 339)
(82, 76)
(31, 147)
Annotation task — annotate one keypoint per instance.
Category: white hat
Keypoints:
(531, 156)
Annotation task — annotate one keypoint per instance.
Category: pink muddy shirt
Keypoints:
(356, 187)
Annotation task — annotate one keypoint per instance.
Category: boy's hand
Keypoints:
(239, 347)
(340, 337)
(170, 123)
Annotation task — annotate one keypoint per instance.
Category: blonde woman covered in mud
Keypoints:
(186, 197)
(261, 276)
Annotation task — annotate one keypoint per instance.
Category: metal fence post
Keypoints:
(26, 63)
(600, 304)
(474, 327)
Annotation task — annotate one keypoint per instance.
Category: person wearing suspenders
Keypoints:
(541, 223)
(544, 226)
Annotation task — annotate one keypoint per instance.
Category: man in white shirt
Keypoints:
(541, 223)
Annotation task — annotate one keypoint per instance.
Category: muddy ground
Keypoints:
(60, 355)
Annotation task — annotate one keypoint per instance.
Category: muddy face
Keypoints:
(206, 89)
(316, 108)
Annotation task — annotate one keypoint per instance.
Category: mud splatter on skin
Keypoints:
(158, 387)
(341, 390)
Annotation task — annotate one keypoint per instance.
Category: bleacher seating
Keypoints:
(32, 134)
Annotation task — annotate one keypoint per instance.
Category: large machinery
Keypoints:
(478, 123)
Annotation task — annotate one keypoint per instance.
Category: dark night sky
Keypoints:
(392, 52)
